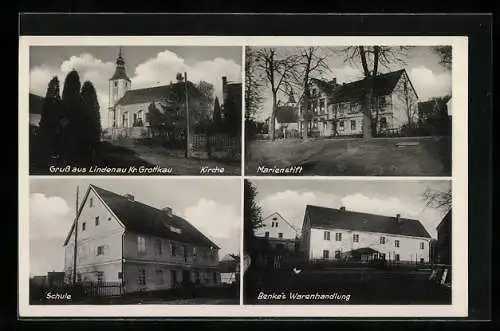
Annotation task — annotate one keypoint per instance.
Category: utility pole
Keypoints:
(188, 135)
(76, 236)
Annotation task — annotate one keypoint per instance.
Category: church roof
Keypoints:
(120, 73)
(144, 95)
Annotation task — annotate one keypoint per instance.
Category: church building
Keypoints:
(128, 108)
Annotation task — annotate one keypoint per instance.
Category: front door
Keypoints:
(185, 277)
(173, 278)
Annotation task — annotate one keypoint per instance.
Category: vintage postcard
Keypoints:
(353, 110)
(134, 110)
(353, 242)
(243, 176)
(119, 241)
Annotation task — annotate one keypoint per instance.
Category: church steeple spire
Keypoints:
(120, 72)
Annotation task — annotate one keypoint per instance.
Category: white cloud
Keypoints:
(164, 67)
(155, 71)
(88, 67)
(291, 204)
(50, 219)
(428, 84)
(220, 223)
(49, 216)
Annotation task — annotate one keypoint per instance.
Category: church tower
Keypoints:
(119, 83)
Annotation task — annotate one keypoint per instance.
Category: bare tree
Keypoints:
(277, 70)
(445, 55)
(371, 58)
(309, 62)
(438, 199)
(405, 92)
(253, 85)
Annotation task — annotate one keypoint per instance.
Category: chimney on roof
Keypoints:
(168, 211)
(342, 208)
(129, 196)
(398, 218)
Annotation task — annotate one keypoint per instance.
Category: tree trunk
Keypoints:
(367, 127)
(273, 119)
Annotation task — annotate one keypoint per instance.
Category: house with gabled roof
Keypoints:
(336, 234)
(336, 109)
(119, 239)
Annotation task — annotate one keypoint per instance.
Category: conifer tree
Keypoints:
(73, 117)
(92, 122)
(49, 122)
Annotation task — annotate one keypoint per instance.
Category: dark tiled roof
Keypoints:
(384, 84)
(323, 217)
(120, 73)
(143, 219)
(149, 94)
(286, 114)
(36, 104)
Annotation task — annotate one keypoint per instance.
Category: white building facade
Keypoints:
(334, 234)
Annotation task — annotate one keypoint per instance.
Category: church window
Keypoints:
(116, 83)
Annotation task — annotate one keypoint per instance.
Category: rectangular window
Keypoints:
(322, 106)
(173, 249)
(382, 240)
(355, 238)
(266, 234)
(396, 257)
(396, 243)
(141, 279)
(337, 255)
(341, 125)
(326, 254)
(338, 236)
(97, 221)
(158, 248)
(353, 125)
(120, 275)
(326, 235)
(352, 107)
(159, 277)
(83, 226)
(141, 244)
(195, 252)
(280, 235)
(100, 250)
(383, 123)
(422, 245)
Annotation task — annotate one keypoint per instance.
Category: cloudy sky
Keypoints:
(428, 76)
(215, 212)
(146, 66)
(389, 198)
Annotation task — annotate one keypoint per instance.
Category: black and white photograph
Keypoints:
(119, 241)
(135, 110)
(348, 110)
(347, 242)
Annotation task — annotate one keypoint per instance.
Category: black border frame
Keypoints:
(478, 27)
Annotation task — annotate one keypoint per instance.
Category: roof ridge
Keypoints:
(361, 212)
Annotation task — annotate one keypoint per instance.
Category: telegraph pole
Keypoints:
(188, 135)
(76, 236)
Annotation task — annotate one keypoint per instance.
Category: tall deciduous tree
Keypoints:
(253, 85)
(93, 116)
(439, 199)
(310, 62)
(277, 71)
(50, 118)
(371, 59)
